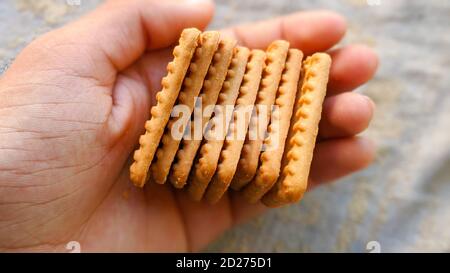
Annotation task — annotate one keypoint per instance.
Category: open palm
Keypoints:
(73, 106)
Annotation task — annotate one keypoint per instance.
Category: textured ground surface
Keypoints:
(403, 200)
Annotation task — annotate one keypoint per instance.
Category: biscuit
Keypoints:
(192, 84)
(160, 113)
(248, 163)
(209, 94)
(298, 153)
(209, 153)
(270, 159)
(229, 156)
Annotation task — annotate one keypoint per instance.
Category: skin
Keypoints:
(73, 106)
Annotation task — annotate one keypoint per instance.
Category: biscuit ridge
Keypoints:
(171, 84)
(192, 85)
(208, 155)
(209, 94)
(297, 157)
(222, 101)
(229, 156)
(275, 62)
(270, 158)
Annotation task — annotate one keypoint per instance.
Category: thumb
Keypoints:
(117, 33)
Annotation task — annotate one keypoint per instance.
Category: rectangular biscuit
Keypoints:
(229, 156)
(248, 163)
(192, 84)
(208, 156)
(270, 159)
(165, 99)
(209, 95)
(299, 149)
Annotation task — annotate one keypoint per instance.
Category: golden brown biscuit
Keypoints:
(210, 150)
(270, 159)
(209, 94)
(160, 113)
(193, 82)
(298, 153)
(229, 156)
(248, 163)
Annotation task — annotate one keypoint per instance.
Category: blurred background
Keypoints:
(402, 202)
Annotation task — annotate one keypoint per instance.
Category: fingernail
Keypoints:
(368, 148)
(370, 102)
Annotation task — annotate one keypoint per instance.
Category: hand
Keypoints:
(73, 106)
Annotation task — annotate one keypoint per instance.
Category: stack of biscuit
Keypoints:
(273, 167)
